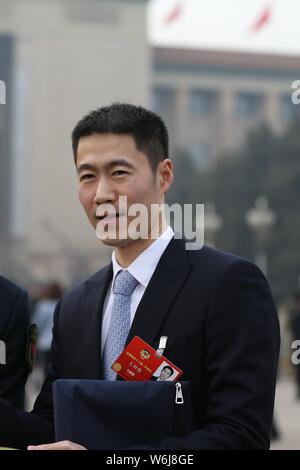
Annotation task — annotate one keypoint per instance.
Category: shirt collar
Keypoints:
(143, 267)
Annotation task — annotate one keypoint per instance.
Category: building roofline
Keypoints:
(200, 57)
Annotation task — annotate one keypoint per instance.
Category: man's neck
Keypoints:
(127, 254)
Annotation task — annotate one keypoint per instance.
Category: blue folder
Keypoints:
(117, 415)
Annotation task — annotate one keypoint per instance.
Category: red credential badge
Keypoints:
(139, 362)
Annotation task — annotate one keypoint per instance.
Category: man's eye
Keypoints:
(119, 173)
(87, 176)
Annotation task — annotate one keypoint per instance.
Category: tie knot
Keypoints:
(125, 283)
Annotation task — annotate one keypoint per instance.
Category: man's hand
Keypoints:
(62, 445)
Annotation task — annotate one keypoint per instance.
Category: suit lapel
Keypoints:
(162, 290)
(91, 308)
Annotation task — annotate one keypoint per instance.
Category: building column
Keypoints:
(226, 119)
(272, 111)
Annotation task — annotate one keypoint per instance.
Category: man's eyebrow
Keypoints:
(106, 166)
(85, 166)
(118, 162)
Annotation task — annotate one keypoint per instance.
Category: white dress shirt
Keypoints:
(142, 268)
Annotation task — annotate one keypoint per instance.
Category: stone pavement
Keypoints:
(287, 415)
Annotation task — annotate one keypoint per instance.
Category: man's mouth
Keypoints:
(106, 217)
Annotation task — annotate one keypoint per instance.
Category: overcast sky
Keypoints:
(267, 26)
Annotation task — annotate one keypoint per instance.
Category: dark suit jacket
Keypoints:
(218, 314)
(14, 321)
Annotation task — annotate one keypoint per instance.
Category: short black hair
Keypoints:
(168, 367)
(147, 129)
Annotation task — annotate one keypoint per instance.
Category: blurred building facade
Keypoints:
(68, 58)
(61, 59)
(6, 64)
(211, 100)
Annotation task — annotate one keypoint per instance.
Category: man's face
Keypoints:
(110, 166)
(165, 374)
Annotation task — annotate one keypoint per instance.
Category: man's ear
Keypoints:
(166, 173)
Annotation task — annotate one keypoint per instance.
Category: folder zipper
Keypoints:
(178, 409)
(178, 394)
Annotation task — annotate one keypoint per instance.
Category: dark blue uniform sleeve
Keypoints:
(14, 372)
(18, 428)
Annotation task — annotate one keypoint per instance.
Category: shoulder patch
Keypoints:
(32, 335)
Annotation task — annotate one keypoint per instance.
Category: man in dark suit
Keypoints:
(215, 308)
(14, 322)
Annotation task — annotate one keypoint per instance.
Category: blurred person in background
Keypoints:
(43, 306)
(14, 324)
(43, 318)
(34, 289)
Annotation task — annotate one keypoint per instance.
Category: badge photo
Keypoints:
(165, 372)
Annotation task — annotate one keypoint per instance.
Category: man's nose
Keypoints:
(104, 192)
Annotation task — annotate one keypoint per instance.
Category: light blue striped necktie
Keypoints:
(119, 327)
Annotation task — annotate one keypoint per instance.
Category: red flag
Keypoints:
(174, 14)
(262, 20)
